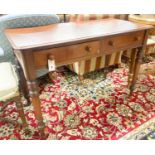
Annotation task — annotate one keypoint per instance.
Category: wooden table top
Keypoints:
(62, 34)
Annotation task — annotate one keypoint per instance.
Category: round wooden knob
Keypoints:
(111, 43)
(51, 57)
(88, 49)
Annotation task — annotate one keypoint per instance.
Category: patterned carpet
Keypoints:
(97, 108)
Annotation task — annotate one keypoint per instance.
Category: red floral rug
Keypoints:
(97, 108)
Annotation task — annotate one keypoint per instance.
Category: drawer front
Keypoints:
(68, 54)
(123, 42)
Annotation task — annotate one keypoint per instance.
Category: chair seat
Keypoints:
(8, 81)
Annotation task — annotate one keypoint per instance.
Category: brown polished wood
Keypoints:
(68, 54)
(138, 60)
(122, 42)
(70, 42)
(62, 34)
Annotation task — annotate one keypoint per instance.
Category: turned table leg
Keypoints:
(33, 91)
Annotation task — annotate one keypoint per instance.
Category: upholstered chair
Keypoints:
(85, 66)
(20, 21)
(9, 89)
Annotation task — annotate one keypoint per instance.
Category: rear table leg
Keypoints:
(135, 68)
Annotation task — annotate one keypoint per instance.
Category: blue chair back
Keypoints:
(21, 21)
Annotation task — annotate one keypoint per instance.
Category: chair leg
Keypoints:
(23, 85)
(21, 111)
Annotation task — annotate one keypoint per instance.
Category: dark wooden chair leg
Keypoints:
(21, 111)
(23, 87)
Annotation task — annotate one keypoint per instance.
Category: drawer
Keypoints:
(68, 54)
(122, 42)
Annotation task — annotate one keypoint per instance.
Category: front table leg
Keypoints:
(33, 91)
(136, 67)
